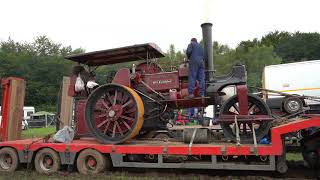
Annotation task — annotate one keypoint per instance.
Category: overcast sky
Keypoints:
(103, 24)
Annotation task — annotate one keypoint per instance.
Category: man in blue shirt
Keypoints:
(196, 67)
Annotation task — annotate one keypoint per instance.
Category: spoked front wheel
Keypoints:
(114, 113)
(255, 107)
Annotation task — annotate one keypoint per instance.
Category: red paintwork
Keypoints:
(5, 108)
(145, 147)
(5, 83)
(81, 127)
(163, 81)
(122, 77)
(242, 93)
(148, 68)
(71, 89)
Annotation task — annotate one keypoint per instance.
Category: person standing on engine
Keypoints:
(196, 67)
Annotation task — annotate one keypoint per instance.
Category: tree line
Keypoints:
(41, 62)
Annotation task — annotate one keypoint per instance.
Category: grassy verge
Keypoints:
(32, 175)
(294, 157)
(37, 132)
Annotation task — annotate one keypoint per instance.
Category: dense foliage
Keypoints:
(42, 62)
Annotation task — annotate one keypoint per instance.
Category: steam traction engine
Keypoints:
(142, 98)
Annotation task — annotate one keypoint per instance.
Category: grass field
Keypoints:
(294, 157)
(37, 132)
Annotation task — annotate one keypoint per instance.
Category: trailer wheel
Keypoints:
(47, 161)
(312, 158)
(8, 160)
(282, 167)
(91, 161)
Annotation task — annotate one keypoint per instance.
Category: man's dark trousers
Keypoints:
(196, 72)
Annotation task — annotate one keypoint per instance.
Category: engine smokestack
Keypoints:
(208, 49)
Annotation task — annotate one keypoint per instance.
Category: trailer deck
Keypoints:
(120, 154)
(168, 147)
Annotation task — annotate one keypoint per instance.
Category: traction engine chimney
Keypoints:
(208, 50)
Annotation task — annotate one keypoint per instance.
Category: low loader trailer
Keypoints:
(91, 156)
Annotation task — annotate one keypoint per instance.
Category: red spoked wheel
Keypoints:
(255, 107)
(114, 113)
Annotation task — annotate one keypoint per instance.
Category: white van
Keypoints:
(27, 111)
(293, 78)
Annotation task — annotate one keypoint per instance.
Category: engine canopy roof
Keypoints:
(118, 55)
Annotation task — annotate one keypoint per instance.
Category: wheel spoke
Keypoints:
(105, 104)
(103, 122)
(127, 125)
(109, 97)
(103, 115)
(127, 103)
(114, 130)
(120, 94)
(127, 118)
(124, 99)
(106, 128)
(100, 109)
(235, 106)
(119, 128)
(131, 110)
(115, 97)
(251, 107)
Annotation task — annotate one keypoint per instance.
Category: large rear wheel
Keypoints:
(255, 107)
(114, 113)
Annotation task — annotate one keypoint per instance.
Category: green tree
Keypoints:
(254, 58)
(275, 38)
(299, 47)
(41, 63)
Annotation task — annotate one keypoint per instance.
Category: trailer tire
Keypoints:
(9, 160)
(47, 161)
(91, 161)
(282, 167)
